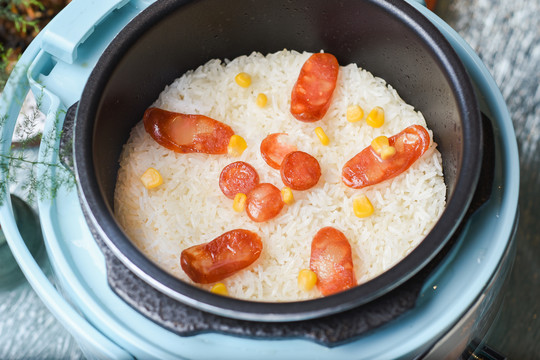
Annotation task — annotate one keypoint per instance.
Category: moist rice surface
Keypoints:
(189, 207)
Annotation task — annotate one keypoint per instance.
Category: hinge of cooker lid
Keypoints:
(62, 36)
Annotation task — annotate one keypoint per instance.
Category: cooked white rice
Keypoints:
(189, 208)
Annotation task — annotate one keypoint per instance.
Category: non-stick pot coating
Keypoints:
(388, 38)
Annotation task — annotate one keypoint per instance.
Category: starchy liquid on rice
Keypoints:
(189, 207)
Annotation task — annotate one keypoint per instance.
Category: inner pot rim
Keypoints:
(103, 220)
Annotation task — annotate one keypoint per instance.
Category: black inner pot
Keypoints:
(389, 38)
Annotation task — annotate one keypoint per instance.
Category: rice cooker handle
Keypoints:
(88, 337)
(79, 19)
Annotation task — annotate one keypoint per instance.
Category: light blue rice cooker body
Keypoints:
(57, 65)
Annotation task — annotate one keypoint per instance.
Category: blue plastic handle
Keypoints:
(79, 19)
(11, 101)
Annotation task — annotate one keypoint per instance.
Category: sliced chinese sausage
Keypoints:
(275, 147)
(187, 133)
(368, 168)
(312, 92)
(300, 171)
(222, 257)
(238, 177)
(331, 260)
(263, 202)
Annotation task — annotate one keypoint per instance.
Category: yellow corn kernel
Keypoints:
(151, 178)
(287, 195)
(261, 100)
(354, 113)
(236, 146)
(306, 279)
(375, 118)
(379, 143)
(239, 202)
(388, 152)
(382, 147)
(362, 206)
(220, 289)
(243, 79)
(322, 136)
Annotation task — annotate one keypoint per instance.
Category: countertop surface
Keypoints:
(506, 36)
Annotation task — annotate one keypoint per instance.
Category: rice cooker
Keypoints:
(449, 315)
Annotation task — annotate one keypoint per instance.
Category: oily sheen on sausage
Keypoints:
(275, 147)
(238, 177)
(368, 168)
(331, 260)
(222, 257)
(312, 92)
(184, 133)
(263, 202)
(300, 171)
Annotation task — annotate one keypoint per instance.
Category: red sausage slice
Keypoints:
(300, 171)
(312, 92)
(263, 202)
(238, 177)
(367, 168)
(222, 257)
(331, 260)
(187, 133)
(274, 147)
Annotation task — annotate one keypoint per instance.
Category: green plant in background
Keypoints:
(16, 22)
(5, 65)
(9, 11)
